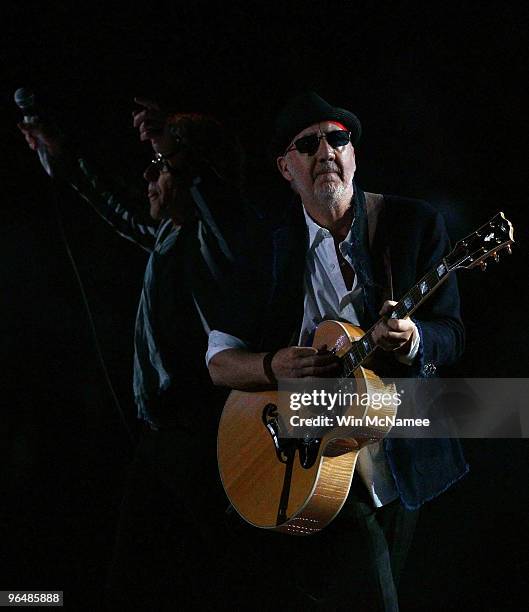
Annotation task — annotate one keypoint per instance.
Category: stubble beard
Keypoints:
(329, 195)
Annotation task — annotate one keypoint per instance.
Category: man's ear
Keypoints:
(282, 166)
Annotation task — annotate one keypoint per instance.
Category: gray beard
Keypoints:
(330, 195)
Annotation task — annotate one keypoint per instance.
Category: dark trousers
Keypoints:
(354, 563)
(171, 537)
(176, 548)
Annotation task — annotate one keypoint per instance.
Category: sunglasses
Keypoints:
(310, 144)
(160, 163)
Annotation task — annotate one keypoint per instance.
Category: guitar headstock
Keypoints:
(485, 242)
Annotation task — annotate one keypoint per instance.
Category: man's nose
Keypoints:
(325, 151)
(151, 174)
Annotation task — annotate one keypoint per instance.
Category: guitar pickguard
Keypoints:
(286, 447)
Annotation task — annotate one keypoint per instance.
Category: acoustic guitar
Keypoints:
(298, 486)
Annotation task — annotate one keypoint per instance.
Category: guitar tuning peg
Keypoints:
(483, 265)
(496, 257)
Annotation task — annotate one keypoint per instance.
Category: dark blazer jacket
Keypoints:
(269, 311)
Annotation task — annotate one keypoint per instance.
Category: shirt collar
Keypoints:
(318, 233)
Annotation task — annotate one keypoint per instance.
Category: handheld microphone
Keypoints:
(25, 100)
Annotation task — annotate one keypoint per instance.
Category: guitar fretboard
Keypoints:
(362, 348)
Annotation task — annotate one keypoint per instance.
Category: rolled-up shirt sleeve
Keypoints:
(219, 341)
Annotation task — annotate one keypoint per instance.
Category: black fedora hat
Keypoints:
(304, 110)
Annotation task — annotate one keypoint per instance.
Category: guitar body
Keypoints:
(283, 495)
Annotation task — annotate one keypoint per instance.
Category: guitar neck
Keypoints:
(419, 293)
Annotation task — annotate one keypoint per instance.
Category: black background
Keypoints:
(439, 94)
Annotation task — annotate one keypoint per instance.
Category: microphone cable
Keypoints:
(88, 311)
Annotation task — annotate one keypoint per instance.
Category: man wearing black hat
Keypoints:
(340, 256)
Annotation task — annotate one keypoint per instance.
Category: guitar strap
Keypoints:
(375, 206)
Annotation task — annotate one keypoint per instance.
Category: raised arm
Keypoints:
(72, 168)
